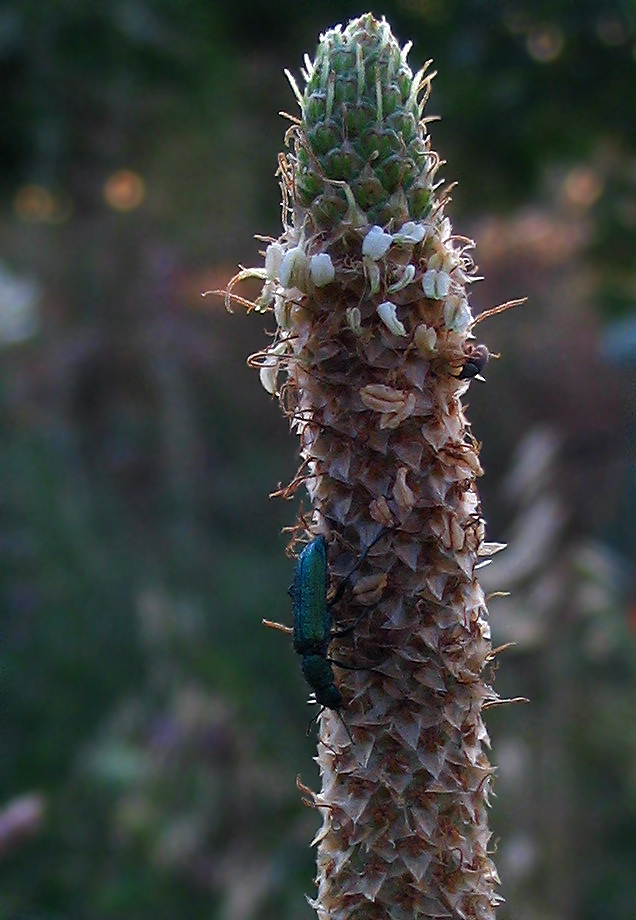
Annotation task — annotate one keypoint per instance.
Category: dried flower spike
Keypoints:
(368, 287)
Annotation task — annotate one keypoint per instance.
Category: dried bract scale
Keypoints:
(403, 494)
(380, 512)
(368, 591)
(368, 288)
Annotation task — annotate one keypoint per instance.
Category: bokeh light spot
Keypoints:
(545, 43)
(582, 187)
(612, 31)
(34, 204)
(124, 190)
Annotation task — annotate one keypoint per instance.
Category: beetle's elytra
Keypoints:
(312, 622)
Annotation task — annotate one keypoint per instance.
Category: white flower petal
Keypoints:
(429, 283)
(268, 374)
(442, 284)
(436, 284)
(281, 312)
(321, 269)
(407, 276)
(292, 267)
(410, 232)
(270, 367)
(457, 315)
(273, 258)
(376, 243)
(387, 312)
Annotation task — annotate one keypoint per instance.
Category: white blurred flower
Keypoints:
(293, 268)
(19, 299)
(410, 232)
(376, 243)
(387, 312)
(270, 368)
(321, 269)
(273, 258)
(407, 276)
(436, 284)
(457, 315)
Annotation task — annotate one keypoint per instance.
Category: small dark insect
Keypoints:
(476, 361)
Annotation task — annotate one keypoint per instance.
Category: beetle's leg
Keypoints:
(343, 584)
(314, 719)
(286, 629)
(347, 667)
(347, 630)
(355, 667)
(336, 633)
(317, 716)
(342, 719)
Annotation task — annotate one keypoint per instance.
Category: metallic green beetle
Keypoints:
(312, 630)
(312, 622)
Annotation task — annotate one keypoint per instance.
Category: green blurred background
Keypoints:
(150, 728)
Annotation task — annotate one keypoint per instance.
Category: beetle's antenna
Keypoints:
(342, 719)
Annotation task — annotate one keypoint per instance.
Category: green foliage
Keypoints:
(104, 632)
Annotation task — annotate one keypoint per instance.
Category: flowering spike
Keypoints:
(373, 323)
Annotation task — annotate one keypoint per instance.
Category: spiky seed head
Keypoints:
(361, 113)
